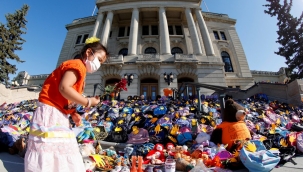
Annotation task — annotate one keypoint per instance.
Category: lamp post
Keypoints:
(129, 78)
(174, 92)
(168, 78)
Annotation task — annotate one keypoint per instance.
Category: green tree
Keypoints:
(290, 36)
(10, 41)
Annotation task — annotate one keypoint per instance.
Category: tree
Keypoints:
(290, 36)
(10, 41)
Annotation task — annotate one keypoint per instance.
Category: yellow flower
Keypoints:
(92, 40)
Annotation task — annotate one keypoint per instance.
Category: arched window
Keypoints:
(176, 50)
(123, 51)
(226, 59)
(150, 50)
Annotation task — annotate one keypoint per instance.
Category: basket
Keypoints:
(100, 135)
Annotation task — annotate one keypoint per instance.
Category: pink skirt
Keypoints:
(52, 146)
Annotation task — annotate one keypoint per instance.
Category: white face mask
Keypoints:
(92, 66)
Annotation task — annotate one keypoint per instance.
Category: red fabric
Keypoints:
(50, 91)
(150, 153)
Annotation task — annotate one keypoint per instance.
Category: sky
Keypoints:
(46, 30)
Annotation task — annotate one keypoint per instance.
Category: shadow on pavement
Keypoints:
(11, 163)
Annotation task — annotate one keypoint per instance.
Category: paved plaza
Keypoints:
(14, 163)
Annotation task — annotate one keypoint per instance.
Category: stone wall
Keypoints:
(291, 93)
(16, 95)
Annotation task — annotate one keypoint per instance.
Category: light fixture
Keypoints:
(169, 78)
(129, 78)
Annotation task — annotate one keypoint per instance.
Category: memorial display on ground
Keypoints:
(169, 134)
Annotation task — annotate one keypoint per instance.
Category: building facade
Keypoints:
(161, 44)
(147, 39)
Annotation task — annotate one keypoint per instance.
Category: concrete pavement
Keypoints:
(14, 163)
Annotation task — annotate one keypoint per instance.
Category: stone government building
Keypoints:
(148, 39)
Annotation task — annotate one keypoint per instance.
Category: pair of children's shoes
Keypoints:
(121, 169)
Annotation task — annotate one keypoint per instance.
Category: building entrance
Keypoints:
(149, 88)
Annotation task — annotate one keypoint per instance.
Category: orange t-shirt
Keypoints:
(232, 131)
(50, 91)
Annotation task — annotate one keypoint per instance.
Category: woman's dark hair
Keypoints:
(96, 46)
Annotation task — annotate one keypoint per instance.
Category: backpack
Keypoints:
(183, 138)
(261, 160)
(118, 135)
(161, 137)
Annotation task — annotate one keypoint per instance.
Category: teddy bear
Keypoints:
(232, 127)
(19, 147)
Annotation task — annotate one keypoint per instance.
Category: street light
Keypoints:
(129, 78)
(168, 78)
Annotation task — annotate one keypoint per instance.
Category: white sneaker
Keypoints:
(125, 169)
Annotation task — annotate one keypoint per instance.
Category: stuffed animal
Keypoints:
(155, 156)
(231, 129)
(89, 164)
(87, 133)
(87, 149)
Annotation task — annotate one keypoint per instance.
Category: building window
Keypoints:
(179, 30)
(123, 51)
(226, 59)
(145, 30)
(223, 35)
(150, 30)
(128, 31)
(154, 30)
(170, 30)
(81, 39)
(84, 38)
(230, 86)
(216, 35)
(176, 50)
(175, 30)
(124, 31)
(150, 50)
(238, 87)
(121, 31)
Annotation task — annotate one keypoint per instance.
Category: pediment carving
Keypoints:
(186, 68)
(111, 70)
(148, 69)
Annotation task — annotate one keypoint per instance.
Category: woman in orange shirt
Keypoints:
(52, 145)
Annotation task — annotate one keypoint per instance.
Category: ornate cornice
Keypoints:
(219, 18)
(257, 72)
(86, 21)
(112, 2)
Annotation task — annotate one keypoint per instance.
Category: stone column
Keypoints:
(164, 34)
(106, 29)
(98, 24)
(205, 35)
(133, 37)
(193, 32)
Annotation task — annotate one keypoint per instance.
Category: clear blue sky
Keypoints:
(47, 19)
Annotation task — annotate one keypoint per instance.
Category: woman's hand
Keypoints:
(77, 119)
